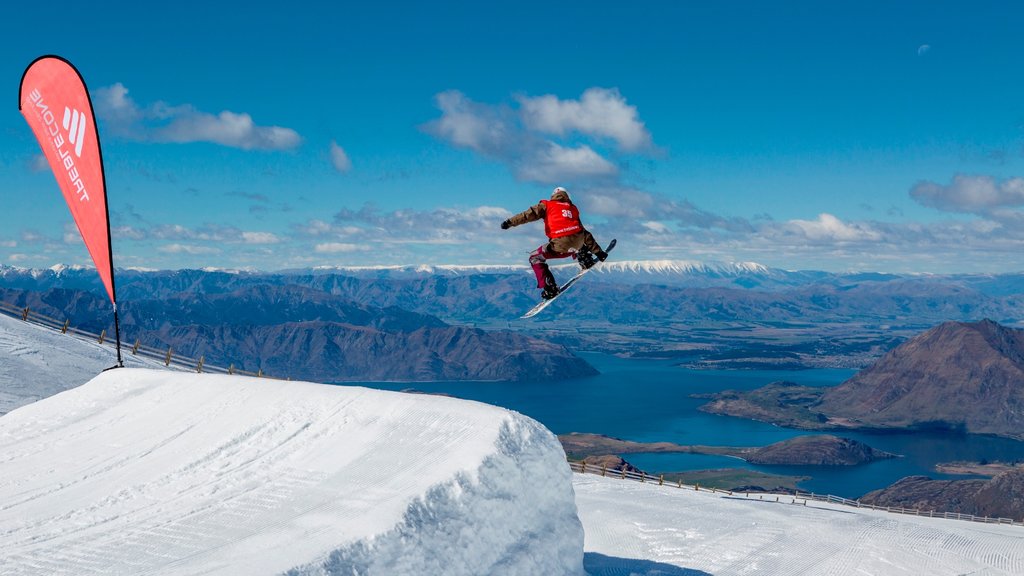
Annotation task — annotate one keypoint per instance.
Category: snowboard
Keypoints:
(544, 303)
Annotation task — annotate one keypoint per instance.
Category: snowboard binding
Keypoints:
(586, 258)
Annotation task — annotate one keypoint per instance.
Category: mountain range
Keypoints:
(703, 315)
(297, 332)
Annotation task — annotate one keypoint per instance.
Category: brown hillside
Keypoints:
(967, 376)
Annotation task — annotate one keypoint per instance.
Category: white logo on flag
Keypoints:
(74, 123)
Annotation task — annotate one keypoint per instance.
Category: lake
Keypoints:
(649, 401)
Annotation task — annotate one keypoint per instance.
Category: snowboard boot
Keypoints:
(550, 286)
(549, 292)
(586, 258)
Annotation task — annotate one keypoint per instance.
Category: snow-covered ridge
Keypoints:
(662, 267)
(425, 269)
(143, 471)
(36, 273)
(683, 267)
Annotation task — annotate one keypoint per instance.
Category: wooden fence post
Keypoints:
(103, 336)
(135, 348)
(64, 330)
(24, 314)
(259, 373)
(199, 368)
(661, 480)
(604, 471)
(167, 361)
(231, 369)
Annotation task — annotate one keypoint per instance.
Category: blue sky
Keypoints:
(805, 135)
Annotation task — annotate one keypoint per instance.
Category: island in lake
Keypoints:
(811, 450)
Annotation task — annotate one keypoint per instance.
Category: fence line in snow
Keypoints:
(797, 498)
(168, 356)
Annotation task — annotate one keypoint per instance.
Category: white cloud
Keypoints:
(828, 227)
(32, 237)
(179, 232)
(523, 140)
(260, 238)
(214, 233)
(923, 49)
(339, 158)
(8, 244)
(316, 228)
(161, 122)
(557, 163)
(599, 112)
(127, 232)
(656, 227)
(970, 194)
(467, 124)
(187, 249)
(335, 247)
(226, 128)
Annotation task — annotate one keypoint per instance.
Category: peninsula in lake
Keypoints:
(957, 376)
(812, 450)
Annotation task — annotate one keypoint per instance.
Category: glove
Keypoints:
(601, 255)
(506, 225)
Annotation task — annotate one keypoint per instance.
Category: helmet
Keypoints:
(560, 194)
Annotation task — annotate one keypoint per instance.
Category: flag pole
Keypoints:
(106, 208)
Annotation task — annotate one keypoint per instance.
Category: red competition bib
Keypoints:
(561, 219)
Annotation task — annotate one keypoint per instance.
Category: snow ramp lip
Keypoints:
(147, 471)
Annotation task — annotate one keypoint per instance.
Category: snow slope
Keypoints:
(37, 362)
(634, 528)
(146, 472)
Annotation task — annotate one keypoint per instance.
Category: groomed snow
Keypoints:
(645, 529)
(153, 472)
(37, 362)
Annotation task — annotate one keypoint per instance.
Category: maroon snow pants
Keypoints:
(538, 260)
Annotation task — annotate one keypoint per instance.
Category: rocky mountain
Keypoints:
(966, 377)
(999, 497)
(298, 332)
(962, 376)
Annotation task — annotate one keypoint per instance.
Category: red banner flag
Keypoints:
(55, 102)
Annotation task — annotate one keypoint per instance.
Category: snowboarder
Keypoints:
(566, 238)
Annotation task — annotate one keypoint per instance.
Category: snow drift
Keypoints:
(140, 472)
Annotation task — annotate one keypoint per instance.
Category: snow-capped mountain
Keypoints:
(682, 272)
